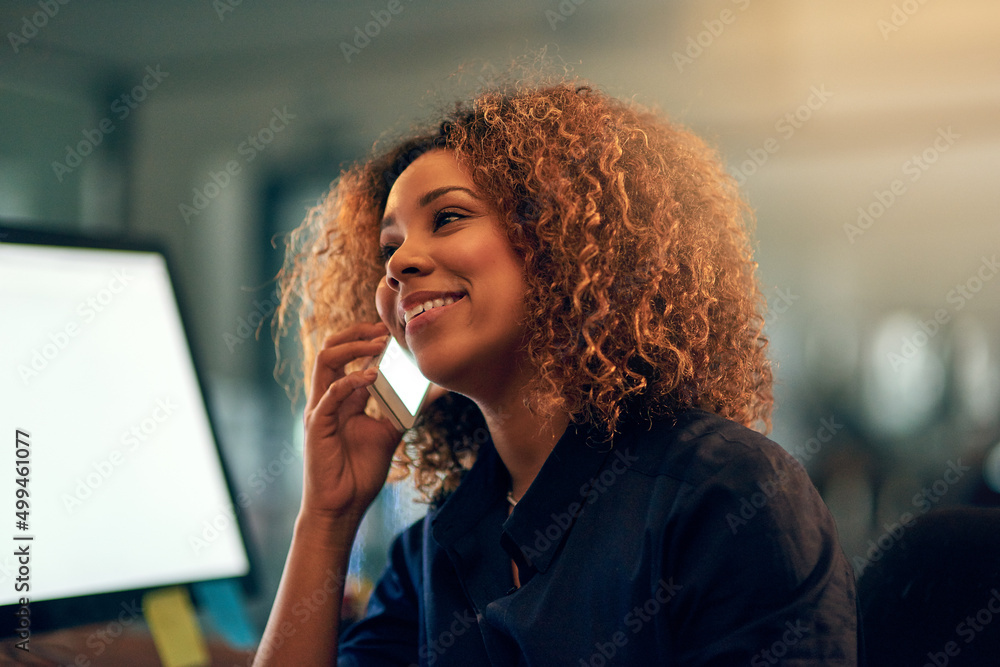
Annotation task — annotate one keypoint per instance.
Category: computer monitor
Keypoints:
(109, 443)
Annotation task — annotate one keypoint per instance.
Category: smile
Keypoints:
(428, 305)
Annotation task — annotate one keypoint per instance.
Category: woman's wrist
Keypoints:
(326, 528)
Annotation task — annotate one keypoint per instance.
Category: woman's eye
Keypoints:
(440, 218)
(444, 217)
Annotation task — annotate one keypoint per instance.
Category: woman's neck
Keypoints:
(523, 439)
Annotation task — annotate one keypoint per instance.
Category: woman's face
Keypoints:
(453, 291)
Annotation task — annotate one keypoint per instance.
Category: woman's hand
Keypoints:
(347, 456)
(347, 453)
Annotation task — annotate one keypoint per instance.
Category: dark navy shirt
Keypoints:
(688, 541)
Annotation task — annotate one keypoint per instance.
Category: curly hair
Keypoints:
(641, 296)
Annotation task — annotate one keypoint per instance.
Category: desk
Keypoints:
(80, 647)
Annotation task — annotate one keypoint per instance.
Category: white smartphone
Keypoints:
(400, 388)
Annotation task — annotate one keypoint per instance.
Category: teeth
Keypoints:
(427, 305)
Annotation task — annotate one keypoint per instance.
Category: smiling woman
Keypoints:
(576, 272)
(441, 241)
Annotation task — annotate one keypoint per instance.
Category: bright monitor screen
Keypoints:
(125, 483)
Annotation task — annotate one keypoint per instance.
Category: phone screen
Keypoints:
(404, 376)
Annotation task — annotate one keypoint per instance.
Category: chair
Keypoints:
(933, 598)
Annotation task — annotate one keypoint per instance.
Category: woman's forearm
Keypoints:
(304, 622)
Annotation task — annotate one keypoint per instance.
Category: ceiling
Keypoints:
(731, 69)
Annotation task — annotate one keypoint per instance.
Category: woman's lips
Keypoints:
(429, 303)
(427, 317)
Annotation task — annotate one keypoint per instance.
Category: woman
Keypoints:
(578, 274)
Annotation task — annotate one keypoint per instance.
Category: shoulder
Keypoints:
(698, 447)
(741, 527)
(710, 478)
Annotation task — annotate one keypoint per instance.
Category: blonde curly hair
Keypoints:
(641, 290)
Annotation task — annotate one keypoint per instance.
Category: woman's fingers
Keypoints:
(324, 414)
(356, 400)
(347, 453)
(360, 340)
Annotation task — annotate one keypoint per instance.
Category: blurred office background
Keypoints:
(866, 136)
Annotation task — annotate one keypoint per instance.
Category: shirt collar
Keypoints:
(481, 487)
(540, 522)
(542, 519)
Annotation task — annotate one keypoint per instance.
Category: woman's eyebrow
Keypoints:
(427, 198)
(437, 192)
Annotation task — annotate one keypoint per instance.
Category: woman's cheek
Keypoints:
(385, 304)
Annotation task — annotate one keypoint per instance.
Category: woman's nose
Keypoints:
(408, 260)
